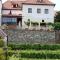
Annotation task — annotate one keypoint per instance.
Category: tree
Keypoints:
(57, 16)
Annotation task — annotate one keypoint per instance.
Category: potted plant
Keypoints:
(27, 23)
(34, 24)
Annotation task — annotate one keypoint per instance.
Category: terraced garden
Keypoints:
(34, 52)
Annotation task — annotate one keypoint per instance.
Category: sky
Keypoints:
(57, 2)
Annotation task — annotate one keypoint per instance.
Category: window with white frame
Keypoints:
(46, 11)
(38, 10)
(29, 10)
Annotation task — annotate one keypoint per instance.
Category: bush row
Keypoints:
(33, 46)
(42, 55)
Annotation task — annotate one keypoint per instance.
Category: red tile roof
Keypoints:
(8, 4)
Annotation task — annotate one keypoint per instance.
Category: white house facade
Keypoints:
(16, 12)
(36, 16)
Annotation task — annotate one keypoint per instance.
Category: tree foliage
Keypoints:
(57, 26)
(57, 17)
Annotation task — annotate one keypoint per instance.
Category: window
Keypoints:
(29, 10)
(15, 5)
(8, 20)
(46, 11)
(38, 10)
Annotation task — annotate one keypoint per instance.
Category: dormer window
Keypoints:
(15, 5)
(39, 0)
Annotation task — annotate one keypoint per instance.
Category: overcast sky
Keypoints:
(57, 2)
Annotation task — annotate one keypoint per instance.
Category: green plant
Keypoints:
(42, 54)
(57, 26)
(50, 24)
(33, 47)
(57, 16)
(2, 56)
(1, 42)
(43, 24)
(27, 23)
(35, 23)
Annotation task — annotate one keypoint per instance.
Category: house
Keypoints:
(0, 11)
(17, 13)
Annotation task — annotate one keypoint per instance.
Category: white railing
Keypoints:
(2, 33)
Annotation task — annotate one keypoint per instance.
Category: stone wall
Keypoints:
(27, 36)
(57, 36)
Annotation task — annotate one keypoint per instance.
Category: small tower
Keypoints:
(0, 12)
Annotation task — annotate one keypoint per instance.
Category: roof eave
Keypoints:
(38, 4)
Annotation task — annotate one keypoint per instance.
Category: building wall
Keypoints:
(15, 12)
(10, 19)
(34, 16)
(0, 11)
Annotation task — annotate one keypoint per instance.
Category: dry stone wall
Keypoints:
(27, 36)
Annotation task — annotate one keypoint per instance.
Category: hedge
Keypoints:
(33, 46)
(36, 54)
(42, 55)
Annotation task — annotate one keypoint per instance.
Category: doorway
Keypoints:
(19, 21)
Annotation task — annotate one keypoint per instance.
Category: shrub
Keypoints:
(33, 46)
(2, 56)
(57, 26)
(52, 24)
(1, 42)
(35, 54)
(35, 23)
(42, 55)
